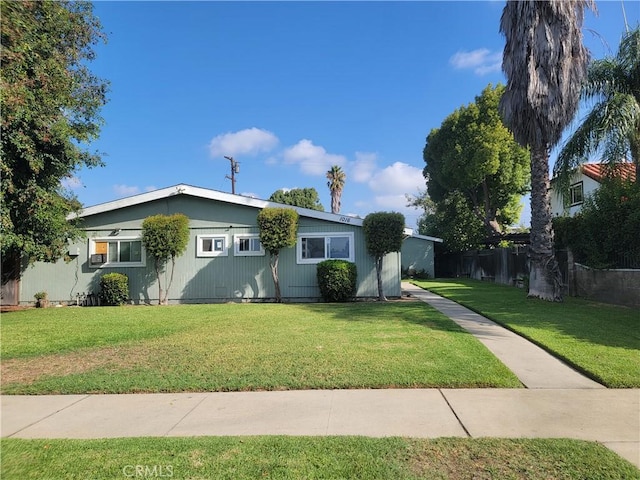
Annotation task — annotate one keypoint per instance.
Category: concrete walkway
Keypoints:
(607, 416)
(531, 364)
(558, 403)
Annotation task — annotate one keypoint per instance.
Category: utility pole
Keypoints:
(235, 168)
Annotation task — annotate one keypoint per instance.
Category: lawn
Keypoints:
(601, 340)
(311, 457)
(239, 347)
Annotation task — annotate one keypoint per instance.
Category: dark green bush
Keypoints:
(114, 289)
(337, 280)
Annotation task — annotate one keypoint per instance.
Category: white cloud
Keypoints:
(71, 183)
(397, 180)
(150, 188)
(250, 141)
(313, 159)
(363, 167)
(125, 190)
(481, 61)
(391, 202)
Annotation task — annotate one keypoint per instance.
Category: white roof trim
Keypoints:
(206, 193)
(209, 194)
(427, 237)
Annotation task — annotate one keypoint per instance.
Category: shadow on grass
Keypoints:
(414, 312)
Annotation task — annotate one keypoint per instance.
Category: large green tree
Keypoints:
(337, 178)
(612, 126)
(50, 103)
(298, 197)
(545, 63)
(474, 155)
(450, 219)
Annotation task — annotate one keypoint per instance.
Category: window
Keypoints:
(212, 246)
(247, 245)
(576, 193)
(316, 247)
(116, 252)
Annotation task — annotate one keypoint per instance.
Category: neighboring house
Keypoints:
(224, 260)
(586, 180)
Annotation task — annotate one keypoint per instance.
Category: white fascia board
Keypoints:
(427, 237)
(206, 193)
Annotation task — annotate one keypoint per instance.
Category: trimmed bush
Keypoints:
(114, 289)
(337, 280)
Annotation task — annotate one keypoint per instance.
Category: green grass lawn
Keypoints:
(311, 457)
(601, 340)
(240, 347)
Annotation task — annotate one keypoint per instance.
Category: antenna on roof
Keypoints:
(235, 169)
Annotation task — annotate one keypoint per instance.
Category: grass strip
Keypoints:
(601, 340)
(311, 458)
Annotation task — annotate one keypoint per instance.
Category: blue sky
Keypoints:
(290, 88)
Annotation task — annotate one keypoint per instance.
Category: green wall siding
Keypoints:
(202, 279)
(418, 254)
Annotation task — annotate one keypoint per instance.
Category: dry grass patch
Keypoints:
(30, 370)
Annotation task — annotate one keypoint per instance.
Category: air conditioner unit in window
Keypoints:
(98, 259)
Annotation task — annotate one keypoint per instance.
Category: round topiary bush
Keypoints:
(114, 289)
(337, 280)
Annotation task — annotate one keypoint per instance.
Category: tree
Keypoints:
(50, 104)
(545, 62)
(383, 233)
(336, 181)
(452, 220)
(165, 237)
(278, 229)
(613, 124)
(473, 153)
(298, 197)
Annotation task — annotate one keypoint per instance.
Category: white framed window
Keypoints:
(212, 246)
(116, 252)
(247, 245)
(316, 247)
(576, 192)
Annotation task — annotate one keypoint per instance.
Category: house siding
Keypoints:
(418, 255)
(589, 185)
(202, 279)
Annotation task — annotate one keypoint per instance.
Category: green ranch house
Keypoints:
(224, 260)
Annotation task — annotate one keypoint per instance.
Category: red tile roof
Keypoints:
(599, 171)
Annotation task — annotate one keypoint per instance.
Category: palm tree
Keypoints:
(545, 63)
(613, 124)
(336, 183)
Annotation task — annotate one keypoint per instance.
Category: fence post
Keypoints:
(571, 274)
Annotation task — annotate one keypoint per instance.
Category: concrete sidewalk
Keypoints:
(608, 416)
(558, 403)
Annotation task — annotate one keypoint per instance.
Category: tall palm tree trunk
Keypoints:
(545, 279)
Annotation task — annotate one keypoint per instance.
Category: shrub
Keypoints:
(606, 230)
(337, 280)
(114, 289)
(165, 237)
(278, 230)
